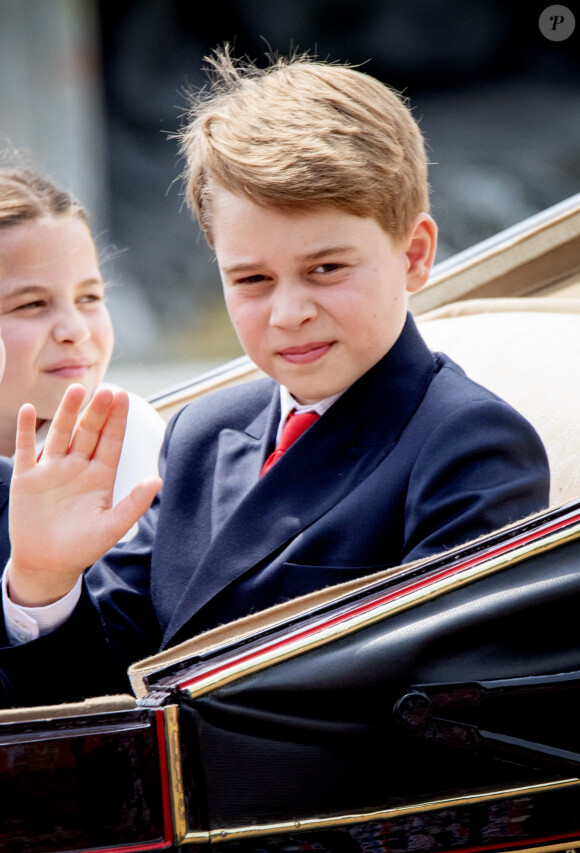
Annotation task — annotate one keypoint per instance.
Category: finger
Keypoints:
(25, 452)
(88, 432)
(130, 509)
(110, 445)
(102, 427)
(62, 426)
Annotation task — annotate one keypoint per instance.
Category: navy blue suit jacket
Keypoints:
(412, 460)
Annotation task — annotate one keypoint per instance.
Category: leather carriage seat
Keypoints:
(527, 351)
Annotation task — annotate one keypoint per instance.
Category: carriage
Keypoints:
(431, 707)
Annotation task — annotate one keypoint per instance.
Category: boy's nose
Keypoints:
(70, 327)
(291, 306)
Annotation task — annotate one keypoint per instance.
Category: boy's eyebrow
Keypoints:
(244, 266)
(325, 250)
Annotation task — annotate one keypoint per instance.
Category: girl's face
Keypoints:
(54, 322)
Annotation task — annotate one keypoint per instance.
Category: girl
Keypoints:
(54, 320)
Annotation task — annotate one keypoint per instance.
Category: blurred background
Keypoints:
(91, 91)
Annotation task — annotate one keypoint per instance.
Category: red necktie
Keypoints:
(295, 425)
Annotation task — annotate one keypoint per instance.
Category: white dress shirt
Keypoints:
(288, 404)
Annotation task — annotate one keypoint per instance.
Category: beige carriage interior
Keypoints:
(508, 311)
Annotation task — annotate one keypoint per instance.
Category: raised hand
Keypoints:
(61, 513)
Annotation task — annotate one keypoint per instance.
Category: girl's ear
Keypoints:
(420, 252)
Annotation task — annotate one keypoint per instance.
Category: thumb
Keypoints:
(130, 508)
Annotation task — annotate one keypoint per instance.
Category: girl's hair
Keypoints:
(303, 134)
(26, 196)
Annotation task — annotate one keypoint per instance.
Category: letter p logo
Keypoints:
(557, 23)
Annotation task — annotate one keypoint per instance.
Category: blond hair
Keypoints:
(303, 134)
(26, 196)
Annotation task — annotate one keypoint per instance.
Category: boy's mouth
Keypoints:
(307, 353)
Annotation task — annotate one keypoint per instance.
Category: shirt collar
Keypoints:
(289, 404)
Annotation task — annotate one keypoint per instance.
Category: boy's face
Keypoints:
(316, 298)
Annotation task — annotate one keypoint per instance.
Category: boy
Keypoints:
(310, 182)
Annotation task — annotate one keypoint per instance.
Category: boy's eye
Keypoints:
(251, 279)
(328, 267)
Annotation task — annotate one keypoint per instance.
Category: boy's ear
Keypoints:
(420, 251)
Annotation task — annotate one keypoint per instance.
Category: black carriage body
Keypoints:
(96, 780)
(432, 708)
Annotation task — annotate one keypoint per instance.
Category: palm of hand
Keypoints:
(61, 513)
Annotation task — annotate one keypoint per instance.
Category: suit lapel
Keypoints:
(239, 460)
(254, 518)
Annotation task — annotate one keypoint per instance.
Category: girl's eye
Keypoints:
(29, 306)
(90, 297)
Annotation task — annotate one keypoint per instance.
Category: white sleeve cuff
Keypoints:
(24, 624)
